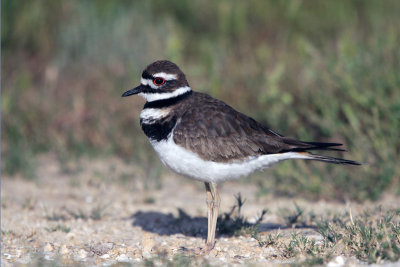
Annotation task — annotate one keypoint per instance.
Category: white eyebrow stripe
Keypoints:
(159, 96)
(145, 81)
(165, 76)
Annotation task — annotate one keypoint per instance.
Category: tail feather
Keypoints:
(301, 146)
(332, 159)
(302, 149)
(325, 146)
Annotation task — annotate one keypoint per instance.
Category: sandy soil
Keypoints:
(99, 213)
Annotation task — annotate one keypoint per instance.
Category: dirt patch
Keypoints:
(96, 216)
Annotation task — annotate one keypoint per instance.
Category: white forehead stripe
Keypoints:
(150, 97)
(165, 76)
(148, 82)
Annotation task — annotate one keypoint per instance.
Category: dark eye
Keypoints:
(158, 81)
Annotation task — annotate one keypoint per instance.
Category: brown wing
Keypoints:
(219, 133)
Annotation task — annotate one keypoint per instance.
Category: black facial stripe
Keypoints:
(160, 130)
(167, 102)
(164, 88)
(149, 90)
(146, 75)
(170, 84)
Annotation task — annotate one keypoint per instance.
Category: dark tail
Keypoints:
(332, 159)
(324, 146)
(301, 146)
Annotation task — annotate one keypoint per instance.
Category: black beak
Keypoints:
(133, 91)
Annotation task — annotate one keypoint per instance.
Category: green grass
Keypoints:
(371, 237)
(374, 237)
(58, 227)
(234, 223)
(325, 71)
(96, 213)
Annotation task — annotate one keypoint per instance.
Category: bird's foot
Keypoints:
(208, 247)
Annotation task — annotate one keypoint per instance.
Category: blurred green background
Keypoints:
(315, 70)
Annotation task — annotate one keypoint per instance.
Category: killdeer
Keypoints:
(205, 139)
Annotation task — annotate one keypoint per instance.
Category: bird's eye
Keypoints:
(158, 81)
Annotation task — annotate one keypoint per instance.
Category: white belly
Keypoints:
(189, 164)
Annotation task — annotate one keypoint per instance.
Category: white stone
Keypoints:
(89, 199)
(64, 250)
(48, 258)
(122, 258)
(48, 247)
(105, 256)
(82, 254)
(336, 262)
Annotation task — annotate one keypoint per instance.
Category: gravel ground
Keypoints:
(99, 212)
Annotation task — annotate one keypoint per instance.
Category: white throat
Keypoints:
(150, 97)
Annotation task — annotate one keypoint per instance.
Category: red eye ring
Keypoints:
(158, 81)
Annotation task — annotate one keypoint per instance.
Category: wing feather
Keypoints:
(217, 132)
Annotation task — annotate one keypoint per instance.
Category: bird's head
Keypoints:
(161, 80)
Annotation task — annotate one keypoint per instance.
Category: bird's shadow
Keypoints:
(168, 224)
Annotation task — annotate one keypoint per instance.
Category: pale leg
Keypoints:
(209, 210)
(213, 202)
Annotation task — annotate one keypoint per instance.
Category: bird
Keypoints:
(203, 138)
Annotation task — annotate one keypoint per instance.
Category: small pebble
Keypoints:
(71, 235)
(18, 253)
(64, 250)
(82, 254)
(48, 247)
(122, 250)
(336, 262)
(146, 255)
(102, 248)
(89, 199)
(48, 258)
(147, 243)
(122, 258)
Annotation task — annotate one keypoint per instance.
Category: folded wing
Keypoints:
(217, 132)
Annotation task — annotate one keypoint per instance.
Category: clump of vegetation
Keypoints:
(301, 245)
(96, 213)
(234, 223)
(293, 218)
(372, 237)
(54, 216)
(58, 227)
